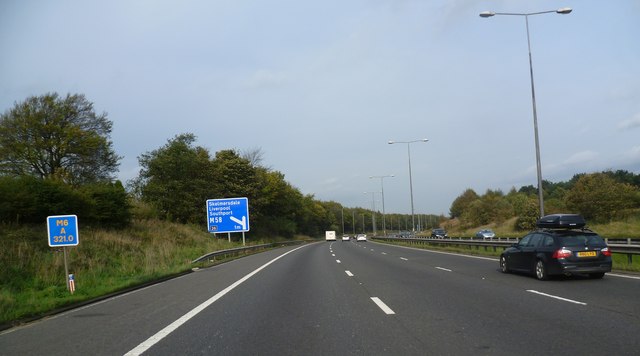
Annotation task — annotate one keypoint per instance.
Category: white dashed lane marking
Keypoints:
(382, 306)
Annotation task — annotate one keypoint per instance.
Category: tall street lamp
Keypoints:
(384, 224)
(563, 11)
(413, 218)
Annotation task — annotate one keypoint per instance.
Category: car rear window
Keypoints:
(582, 240)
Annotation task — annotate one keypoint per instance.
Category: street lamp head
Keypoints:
(487, 14)
(425, 139)
(564, 10)
(391, 142)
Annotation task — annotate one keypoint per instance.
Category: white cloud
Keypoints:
(630, 123)
(581, 157)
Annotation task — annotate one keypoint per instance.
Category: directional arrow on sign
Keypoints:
(242, 222)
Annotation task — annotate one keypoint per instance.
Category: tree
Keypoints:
(528, 216)
(600, 198)
(52, 137)
(176, 179)
(462, 203)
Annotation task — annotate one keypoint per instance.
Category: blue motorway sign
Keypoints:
(63, 230)
(228, 215)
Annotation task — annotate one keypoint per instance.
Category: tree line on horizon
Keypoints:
(599, 197)
(56, 158)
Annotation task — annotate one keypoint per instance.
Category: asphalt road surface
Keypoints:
(349, 298)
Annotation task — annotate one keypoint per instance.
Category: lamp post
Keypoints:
(384, 223)
(413, 219)
(563, 11)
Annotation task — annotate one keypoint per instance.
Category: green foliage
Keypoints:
(176, 179)
(462, 203)
(109, 204)
(599, 198)
(53, 137)
(30, 200)
(528, 215)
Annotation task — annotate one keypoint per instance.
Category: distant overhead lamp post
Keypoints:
(413, 218)
(384, 223)
(563, 11)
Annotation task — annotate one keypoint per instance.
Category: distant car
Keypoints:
(439, 234)
(361, 237)
(485, 234)
(560, 245)
(346, 238)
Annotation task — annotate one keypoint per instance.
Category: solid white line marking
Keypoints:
(382, 306)
(402, 258)
(443, 269)
(338, 261)
(154, 339)
(349, 273)
(556, 297)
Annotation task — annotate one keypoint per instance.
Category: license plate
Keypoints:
(587, 254)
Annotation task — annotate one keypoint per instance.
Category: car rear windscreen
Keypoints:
(582, 240)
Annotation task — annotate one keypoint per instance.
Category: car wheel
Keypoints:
(596, 275)
(503, 264)
(541, 270)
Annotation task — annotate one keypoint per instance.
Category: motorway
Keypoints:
(349, 298)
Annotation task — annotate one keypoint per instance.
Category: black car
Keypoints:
(561, 245)
(438, 234)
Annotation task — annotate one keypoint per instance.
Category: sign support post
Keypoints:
(66, 266)
(63, 232)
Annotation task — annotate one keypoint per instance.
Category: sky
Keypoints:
(320, 87)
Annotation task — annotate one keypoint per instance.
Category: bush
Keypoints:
(26, 200)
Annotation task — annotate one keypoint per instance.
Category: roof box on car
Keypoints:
(561, 221)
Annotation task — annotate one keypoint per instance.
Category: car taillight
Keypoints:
(605, 251)
(562, 253)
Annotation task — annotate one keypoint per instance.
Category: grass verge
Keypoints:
(32, 280)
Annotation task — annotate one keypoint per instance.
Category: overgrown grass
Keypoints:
(32, 278)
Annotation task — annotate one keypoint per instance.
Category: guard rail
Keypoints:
(239, 250)
(629, 249)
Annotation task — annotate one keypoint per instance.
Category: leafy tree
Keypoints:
(462, 203)
(110, 205)
(176, 179)
(275, 208)
(622, 176)
(52, 137)
(600, 198)
(234, 176)
(528, 216)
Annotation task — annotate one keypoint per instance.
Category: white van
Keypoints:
(330, 235)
